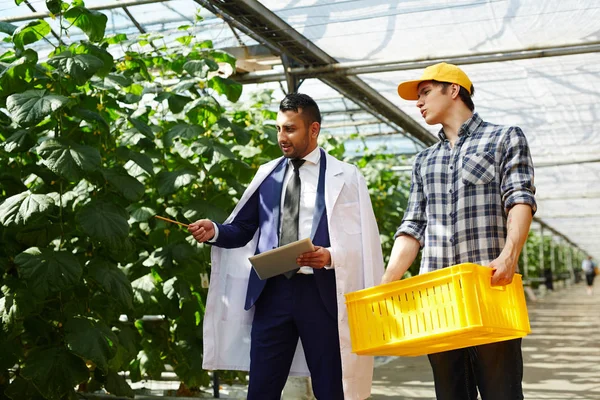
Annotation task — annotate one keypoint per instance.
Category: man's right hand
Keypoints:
(203, 230)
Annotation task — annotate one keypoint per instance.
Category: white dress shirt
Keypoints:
(309, 180)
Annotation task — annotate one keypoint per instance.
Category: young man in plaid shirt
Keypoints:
(471, 200)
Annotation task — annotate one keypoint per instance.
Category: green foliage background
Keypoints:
(92, 147)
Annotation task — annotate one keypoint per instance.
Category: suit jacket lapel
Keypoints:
(320, 200)
(271, 198)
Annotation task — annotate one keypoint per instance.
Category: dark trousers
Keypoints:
(495, 369)
(286, 310)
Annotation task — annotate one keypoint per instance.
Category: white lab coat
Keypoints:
(358, 259)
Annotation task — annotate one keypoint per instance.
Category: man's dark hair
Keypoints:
(464, 95)
(295, 101)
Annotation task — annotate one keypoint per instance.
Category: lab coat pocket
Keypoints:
(233, 301)
(349, 217)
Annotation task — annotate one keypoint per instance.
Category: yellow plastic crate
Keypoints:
(448, 309)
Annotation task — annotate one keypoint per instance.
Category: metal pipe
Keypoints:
(361, 68)
(108, 6)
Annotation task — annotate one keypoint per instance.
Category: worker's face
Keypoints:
(295, 136)
(435, 101)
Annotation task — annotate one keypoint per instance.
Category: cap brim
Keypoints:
(409, 90)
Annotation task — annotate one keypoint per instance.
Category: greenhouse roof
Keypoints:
(534, 64)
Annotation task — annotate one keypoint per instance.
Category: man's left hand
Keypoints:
(504, 270)
(315, 259)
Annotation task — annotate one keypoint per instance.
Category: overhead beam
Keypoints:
(107, 6)
(363, 68)
(569, 196)
(253, 18)
(562, 163)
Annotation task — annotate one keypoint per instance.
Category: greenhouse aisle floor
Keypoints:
(561, 355)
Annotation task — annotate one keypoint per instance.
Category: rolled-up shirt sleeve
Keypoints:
(517, 172)
(414, 221)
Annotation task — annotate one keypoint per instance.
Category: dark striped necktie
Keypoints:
(291, 210)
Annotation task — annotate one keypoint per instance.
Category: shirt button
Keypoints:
(451, 240)
(451, 167)
(450, 191)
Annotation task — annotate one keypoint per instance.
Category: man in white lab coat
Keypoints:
(252, 324)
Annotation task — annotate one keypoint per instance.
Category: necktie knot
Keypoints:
(297, 163)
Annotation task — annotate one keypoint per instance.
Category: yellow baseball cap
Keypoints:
(441, 72)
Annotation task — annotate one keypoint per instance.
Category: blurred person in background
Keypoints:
(587, 266)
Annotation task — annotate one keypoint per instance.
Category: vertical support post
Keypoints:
(552, 257)
(292, 80)
(216, 384)
(570, 261)
(541, 253)
(525, 261)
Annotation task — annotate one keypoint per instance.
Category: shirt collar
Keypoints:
(469, 127)
(313, 157)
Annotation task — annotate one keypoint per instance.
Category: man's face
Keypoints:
(433, 103)
(295, 138)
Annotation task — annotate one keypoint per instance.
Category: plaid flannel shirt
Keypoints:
(460, 196)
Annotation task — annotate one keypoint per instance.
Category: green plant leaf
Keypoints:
(54, 6)
(39, 235)
(129, 345)
(69, 159)
(92, 23)
(19, 209)
(224, 150)
(79, 67)
(116, 39)
(204, 114)
(144, 290)
(19, 141)
(91, 340)
(221, 56)
(241, 135)
(170, 182)
(105, 222)
(197, 209)
(142, 127)
(18, 74)
(151, 363)
(130, 187)
(92, 117)
(23, 389)
(189, 365)
(98, 52)
(54, 371)
(31, 32)
(141, 213)
(200, 68)
(227, 87)
(119, 79)
(46, 271)
(185, 131)
(177, 103)
(7, 28)
(143, 161)
(113, 281)
(32, 106)
(118, 386)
